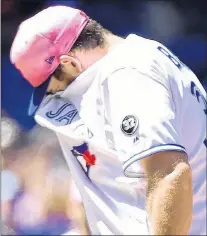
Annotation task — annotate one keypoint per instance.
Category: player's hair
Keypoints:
(92, 36)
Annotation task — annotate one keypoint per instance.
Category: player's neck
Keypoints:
(112, 41)
(89, 57)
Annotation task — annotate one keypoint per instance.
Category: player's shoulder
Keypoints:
(141, 43)
(136, 55)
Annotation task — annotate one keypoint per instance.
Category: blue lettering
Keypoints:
(67, 117)
(51, 115)
(200, 98)
(172, 57)
(197, 93)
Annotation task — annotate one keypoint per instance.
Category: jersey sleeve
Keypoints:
(140, 116)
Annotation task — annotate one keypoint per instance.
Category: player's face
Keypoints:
(56, 85)
(68, 70)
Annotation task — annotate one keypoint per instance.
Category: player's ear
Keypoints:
(70, 65)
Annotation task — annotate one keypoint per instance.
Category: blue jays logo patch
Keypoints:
(85, 158)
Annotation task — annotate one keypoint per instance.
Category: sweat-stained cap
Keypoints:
(39, 43)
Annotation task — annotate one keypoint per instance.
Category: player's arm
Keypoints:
(79, 217)
(78, 211)
(169, 193)
(146, 128)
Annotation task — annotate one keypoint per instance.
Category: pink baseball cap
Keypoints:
(39, 43)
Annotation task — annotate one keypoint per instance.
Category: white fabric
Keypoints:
(10, 184)
(72, 232)
(141, 79)
(75, 193)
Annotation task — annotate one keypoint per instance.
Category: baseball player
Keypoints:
(130, 118)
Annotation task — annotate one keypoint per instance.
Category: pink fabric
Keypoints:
(43, 38)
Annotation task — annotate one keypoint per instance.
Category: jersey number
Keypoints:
(172, 57)
(201, 99)
(128, 124)
(194, 89)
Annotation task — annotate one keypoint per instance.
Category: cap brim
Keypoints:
(37, 97)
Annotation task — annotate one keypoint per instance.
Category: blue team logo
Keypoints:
(83, 155)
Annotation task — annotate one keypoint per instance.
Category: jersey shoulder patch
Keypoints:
(129, 124)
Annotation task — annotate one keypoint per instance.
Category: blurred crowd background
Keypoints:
(38, 195)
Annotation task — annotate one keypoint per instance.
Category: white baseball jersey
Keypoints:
(136, 101)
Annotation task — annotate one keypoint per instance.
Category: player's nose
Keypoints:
(55, 85)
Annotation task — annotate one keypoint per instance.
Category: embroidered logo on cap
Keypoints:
(50, 60)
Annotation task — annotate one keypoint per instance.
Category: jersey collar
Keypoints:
(81, 84)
